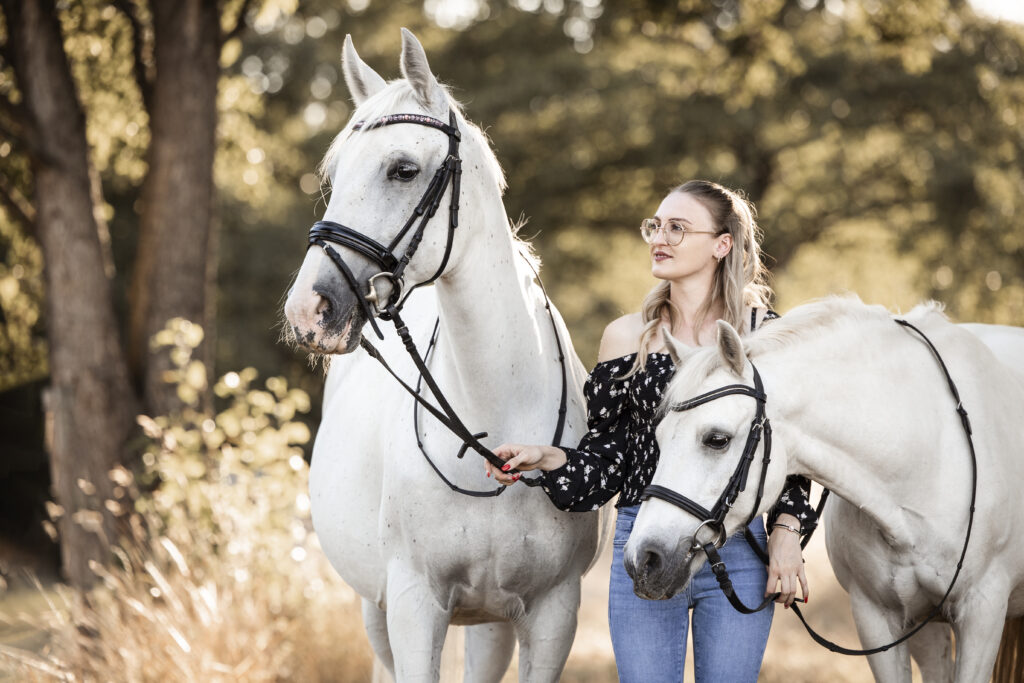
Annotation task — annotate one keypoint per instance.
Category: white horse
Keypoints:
(860, 404)
(420, 555)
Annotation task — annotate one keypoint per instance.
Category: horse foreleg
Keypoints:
(978, 632)
(877, 625)
(932, 649)
(375, 623)
(546, 633)
(489, 650)
(416, 625)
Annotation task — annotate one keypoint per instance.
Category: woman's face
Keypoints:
(700, 248)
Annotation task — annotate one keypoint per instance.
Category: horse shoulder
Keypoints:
(621, 337)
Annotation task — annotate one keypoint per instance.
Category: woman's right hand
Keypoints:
(523, 457)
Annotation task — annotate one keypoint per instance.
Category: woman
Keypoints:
(704, 248)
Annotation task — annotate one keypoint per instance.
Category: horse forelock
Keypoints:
(397, 98)
(806, 322)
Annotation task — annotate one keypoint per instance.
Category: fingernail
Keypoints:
(504, 468)
(807, 599)
(488, 473)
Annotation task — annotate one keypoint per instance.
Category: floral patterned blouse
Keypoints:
(619, 452)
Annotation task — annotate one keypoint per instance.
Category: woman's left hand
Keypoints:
(785, 562)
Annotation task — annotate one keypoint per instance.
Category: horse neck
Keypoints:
(862, 433)
(496, 342)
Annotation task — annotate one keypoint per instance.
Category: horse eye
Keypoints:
(717, 440)
(403, 171)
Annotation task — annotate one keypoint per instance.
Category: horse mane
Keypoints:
(827, 314)
(805, 322)
(398, 96)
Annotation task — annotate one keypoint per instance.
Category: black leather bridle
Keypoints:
(392, 266)
(325, 233)
(716, 516)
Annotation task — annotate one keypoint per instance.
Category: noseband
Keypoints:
(392, 266)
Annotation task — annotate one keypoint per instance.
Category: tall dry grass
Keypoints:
(218, 576)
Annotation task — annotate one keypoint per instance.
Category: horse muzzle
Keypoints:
(322, 321)
(658, 572)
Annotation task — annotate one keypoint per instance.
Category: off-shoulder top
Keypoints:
(619, 452)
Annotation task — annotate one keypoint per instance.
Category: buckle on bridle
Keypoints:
(398, 285)
(718, 543)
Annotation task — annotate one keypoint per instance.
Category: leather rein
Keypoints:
(715, 518)
(325, 233)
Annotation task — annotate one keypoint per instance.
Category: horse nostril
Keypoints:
(650, 562)
(323, 306)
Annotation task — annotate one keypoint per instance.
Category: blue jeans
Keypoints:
(649, 636)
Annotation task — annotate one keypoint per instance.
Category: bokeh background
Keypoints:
(881, 141)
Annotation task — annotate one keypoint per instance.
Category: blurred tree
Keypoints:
(177, 72)
(90, 401)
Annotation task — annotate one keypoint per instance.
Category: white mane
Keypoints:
(805, 322)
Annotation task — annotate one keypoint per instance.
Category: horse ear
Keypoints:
(363, 82)
(417, 71)
(679, 351)
(731, 348)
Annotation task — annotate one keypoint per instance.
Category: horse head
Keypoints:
(702, 444)
(390, 222)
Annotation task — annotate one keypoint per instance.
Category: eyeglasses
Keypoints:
(673, 231)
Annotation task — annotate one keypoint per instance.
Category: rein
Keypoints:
(716, 516)
(325, 233)
(965, 421)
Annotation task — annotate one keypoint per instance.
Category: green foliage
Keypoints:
(22, 342)
(879, 140)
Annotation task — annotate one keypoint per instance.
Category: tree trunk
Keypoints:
(90, 404)
(174, 259)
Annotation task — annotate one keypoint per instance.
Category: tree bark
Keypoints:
(174, 259)
(90, 404)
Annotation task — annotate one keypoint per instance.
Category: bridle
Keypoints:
(392, 267)
(715, 518)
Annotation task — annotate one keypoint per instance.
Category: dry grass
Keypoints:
(218, 576)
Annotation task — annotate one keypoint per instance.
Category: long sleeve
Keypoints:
(594, 470)
(796, 500)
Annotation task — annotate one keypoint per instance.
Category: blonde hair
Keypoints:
(740, 278)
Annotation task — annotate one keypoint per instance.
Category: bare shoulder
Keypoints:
(621, 337)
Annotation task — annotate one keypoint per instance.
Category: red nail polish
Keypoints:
(504, 468)
(488, 473)
(515, 478)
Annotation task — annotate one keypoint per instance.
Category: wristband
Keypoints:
(778, 525)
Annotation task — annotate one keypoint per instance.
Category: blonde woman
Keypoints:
(704, 247)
